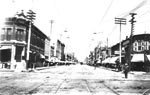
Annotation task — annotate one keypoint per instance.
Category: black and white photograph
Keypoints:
(75, 47)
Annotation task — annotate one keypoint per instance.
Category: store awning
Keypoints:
(106, 60)
(42, 56)
(113, 60)
(99, 61)
(139, 58)
(148, 56)
(5, 47)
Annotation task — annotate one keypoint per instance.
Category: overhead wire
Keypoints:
(108, 8)
(135, 9)
(106, 12)
(125, 14)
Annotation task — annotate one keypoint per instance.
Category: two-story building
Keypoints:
(140, 51)
(13, 43)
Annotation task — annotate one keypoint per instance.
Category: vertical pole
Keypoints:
(50, 36)
(120, 21)
(13, 62)
(28, 44)
(107, 43)
(120, 46)
(131, 38)
(51, 27)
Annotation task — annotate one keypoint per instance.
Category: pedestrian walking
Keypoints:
(126, 70)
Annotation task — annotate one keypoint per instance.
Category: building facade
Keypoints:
(140, 53)
(140, 46)
(60, 51)
(13, 43)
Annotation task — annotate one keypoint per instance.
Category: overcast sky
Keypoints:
(82, 18)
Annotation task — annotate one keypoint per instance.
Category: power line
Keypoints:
(134, 9)
(108, 8)
(106, 11)
(125, 14)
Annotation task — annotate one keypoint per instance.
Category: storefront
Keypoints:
(13, 43)
(139, 62)
(11, 55)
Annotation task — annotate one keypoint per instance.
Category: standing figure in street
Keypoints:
(95, 64)
(126, 70)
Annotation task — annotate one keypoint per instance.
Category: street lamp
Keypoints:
(96, 33)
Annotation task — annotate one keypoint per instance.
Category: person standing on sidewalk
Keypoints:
(126, 70)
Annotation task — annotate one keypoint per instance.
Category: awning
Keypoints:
(42, 56)
(106, 60)
(139, 58)
(5, 47)
(99, 61)
(148, 56)
(113, 60)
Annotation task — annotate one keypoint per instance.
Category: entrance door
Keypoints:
(18, 56)
(5, 58)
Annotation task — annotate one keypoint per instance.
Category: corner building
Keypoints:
(13, 43)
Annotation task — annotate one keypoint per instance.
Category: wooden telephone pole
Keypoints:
(131, 38)
(120, 21)
(30, 17)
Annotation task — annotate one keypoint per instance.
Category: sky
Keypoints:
(87, 22)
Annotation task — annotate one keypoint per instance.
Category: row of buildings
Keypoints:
(110, 56)
(14, 43)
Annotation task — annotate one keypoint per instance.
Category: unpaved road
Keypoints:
(73, 80)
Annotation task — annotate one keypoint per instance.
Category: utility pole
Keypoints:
(51, 21)
(107, 43)
(131, 38)
(50, 37)
(30, 17)
(120, 21)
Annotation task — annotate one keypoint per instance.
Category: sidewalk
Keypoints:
(6, 70)
(131, 72)
(29, 70)
(137, 72)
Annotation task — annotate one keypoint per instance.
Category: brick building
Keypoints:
(13, 43)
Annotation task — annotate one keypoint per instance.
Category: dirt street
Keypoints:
(73, 80)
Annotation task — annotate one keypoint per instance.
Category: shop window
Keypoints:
(139, 46)
(135, 46)
(20, 36)
(9, 33)
(135, 49)
(2, 34)
(143, 45)
(142, 48)
(32, 39)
